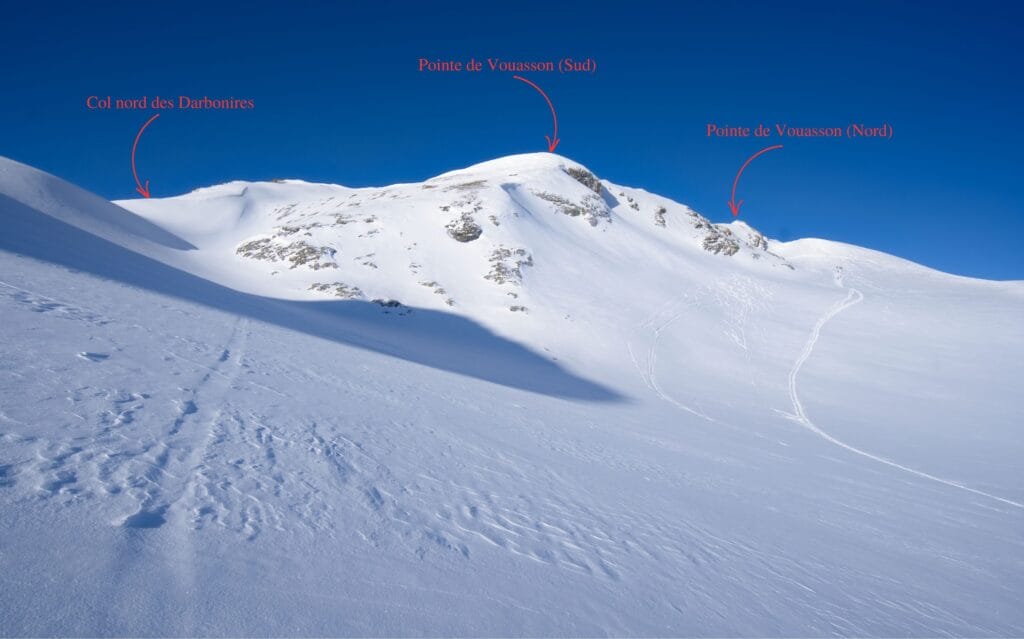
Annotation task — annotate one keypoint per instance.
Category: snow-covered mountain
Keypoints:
(512, 399)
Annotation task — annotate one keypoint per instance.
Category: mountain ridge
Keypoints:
(733, 443)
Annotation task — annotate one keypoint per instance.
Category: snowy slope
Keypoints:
(627, 420)
(518, 243)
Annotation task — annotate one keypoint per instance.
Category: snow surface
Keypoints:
(303, 409)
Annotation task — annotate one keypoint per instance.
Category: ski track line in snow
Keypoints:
(647, 373)
(40, 303)
(174, 469)
(652, 358)
(853, 297)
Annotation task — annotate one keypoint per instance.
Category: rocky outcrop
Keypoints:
(296, 253)
(338, 289)
(464, 229)
(507, 264)
(591, 208)
(584, 177)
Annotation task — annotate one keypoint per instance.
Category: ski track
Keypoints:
(652, 359)
(853, 297)
(648, 372)
(649, 377)
(173, 469)
(736, 294)
(39, 303)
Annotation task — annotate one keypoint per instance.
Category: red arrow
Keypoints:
(734, 206)
(553, 140)
(144, 190)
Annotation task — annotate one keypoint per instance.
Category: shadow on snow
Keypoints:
(432, 338)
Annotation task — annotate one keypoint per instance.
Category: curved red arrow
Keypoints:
(734, 206)
(144, 190)
(553, 140)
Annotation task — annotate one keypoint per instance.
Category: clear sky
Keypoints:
(338, 98)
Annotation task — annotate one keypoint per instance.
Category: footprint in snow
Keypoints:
(146, 518)
(93, 357)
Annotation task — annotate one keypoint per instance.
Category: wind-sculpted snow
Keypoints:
(551, 428)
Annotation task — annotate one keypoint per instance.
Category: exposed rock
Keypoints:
(592, 208)
(758, 241)
(659, 216)
(341, 219)
(390, 305)
(584, 177)
(507, 265)
(338, 289)
(721, 240)
(439, 290)
(296, 253)
(753, 238)
(467, 186)
(464, 229)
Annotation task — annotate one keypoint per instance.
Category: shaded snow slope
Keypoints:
(684, 431)
(439, 340)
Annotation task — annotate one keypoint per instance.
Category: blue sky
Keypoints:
(339, 99)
